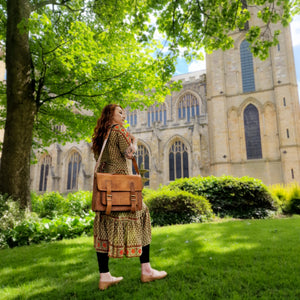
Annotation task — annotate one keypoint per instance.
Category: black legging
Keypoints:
(103, 259)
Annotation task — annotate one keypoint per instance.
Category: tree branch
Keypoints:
(41, 4)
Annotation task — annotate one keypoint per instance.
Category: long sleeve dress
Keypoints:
(120, 233)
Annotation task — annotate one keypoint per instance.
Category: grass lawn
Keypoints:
(246, 259)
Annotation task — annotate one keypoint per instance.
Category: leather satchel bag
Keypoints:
(116, 192)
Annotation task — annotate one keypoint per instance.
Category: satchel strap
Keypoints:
(101, 153)
(108, 197)
(132, 197)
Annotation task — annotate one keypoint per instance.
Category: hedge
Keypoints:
(177, 207)
(243, 197)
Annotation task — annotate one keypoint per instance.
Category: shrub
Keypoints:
(10, 217)
(236, 197)
(48, 205)
(18, 227)
(293, 205)
(177, 207)
(29, 231)
(10, 213)
(79, 203)
(281, 194)
(289, 197)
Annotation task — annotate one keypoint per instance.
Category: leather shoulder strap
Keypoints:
(102, 149)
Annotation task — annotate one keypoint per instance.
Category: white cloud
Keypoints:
(295, 30)
(197, 66)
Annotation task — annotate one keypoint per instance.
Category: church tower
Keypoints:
(253, 111)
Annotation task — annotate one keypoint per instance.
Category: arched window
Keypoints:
(252, 132)
(247, 67)
(131, 117)
(45, 169)
(157, 114)
(178, 161)
(188, 106)
(143, 161)
(73, 170)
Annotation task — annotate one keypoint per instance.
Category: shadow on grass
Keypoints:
(231, 260)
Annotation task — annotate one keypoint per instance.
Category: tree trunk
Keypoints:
(21, 107)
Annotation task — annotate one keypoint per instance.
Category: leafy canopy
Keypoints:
(87, 53)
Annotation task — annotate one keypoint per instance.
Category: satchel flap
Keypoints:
(119, 183)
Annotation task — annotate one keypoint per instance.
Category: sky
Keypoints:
(182, 67)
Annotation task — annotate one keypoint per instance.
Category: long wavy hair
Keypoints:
(101, 129)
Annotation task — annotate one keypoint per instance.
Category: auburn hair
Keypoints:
(101, 129)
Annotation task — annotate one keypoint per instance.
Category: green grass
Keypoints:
(246, 259)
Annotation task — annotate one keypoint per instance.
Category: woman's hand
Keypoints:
(130, 151)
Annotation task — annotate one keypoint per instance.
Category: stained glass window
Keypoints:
(73, 170)
(252, 132)
(188, 106)
(44, 173)
(131, 117)
(157, 114)
(143, 161)
(178, 161)
(247, 68)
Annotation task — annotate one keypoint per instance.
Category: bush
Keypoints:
(10, 217)
(33, 232)
(177, 207)
(281, 194)
(79, 203)
(289, 197)
(51, 205)
(48, 205)
(293, 203)
(236, 197)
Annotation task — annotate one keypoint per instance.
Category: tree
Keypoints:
(64, 57)
(60, 60)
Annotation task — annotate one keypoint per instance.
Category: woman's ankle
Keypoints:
(146, 268)
(105, 276)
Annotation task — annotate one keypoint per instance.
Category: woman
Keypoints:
(120, 233)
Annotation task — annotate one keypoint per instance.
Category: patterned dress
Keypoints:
(120, 233)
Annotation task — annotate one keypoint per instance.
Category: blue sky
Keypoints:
(183, 67)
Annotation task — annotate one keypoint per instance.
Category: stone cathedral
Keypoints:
(239, 117)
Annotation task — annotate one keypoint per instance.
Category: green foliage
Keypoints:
(33, 232)
(86, 54)
(53, 218)
(207, 24)
(10, 217)
(83, 62)
(177, 207)
(294, 199)
(9, 213)
(78, 203)
(237, 197)
(147, 192)
(281, 193)
(288, 197)
(50, 205)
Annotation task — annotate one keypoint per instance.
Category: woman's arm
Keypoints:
(126, 146)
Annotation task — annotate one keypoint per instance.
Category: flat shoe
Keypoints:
(103, 285)
(148, 278)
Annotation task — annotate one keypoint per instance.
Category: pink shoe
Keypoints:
(148, 278)
(103, 285)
